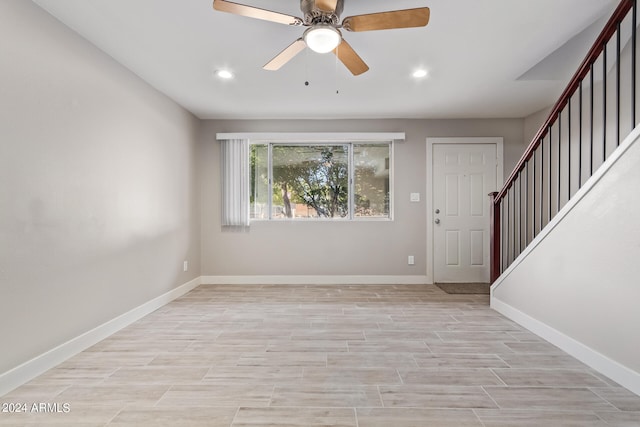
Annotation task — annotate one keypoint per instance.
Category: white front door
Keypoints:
(463, 176)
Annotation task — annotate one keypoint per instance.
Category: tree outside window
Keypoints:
(332, 181)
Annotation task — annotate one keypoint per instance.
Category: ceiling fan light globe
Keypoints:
(322, 38)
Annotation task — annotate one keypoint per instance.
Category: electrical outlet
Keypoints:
(411, 260)
(185, 266)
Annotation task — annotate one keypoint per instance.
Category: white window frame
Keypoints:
(352, 139)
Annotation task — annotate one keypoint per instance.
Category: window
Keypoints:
(330, 180)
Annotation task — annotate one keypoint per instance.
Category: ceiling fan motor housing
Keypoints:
(314, 15)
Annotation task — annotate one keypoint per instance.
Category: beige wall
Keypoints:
(533, 122)
(99, 194)
(336, 248)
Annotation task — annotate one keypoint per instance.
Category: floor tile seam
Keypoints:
(349, 348)
(311, 406)
(233, 420)
(551, 410)
(475, 413)
(291, 407)
(56, 395)
(586, 371)
(490, 397)
(615, 387)
(415, 362)
(498, 376)
(400, 376)
(355, 415)
(558, 387)
(380, 396)
(116, 415)
(439, 408)
(273, 392)
(444, 369)
(604, 398)
(605, 421)
(155, 405)
(428, 347)
(240, 407)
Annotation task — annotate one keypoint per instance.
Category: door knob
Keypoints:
(437, 211)
(437, 220)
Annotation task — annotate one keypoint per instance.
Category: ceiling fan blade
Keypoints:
(254, 12)
(350, 58)
(407, 18)
(327, 5)
(286, 55)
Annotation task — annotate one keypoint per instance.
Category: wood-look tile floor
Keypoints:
(356, 356)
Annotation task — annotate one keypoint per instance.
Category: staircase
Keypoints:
(587, 124)
(565, 241)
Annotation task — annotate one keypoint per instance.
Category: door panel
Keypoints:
(463, 176)
(453, 247)
(477, 199)
(477, 247)
(452, 195)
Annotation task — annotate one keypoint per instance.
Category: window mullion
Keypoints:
(270, 178)
(351, 183)
(391, 190)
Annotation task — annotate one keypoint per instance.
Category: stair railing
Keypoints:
(584, 127)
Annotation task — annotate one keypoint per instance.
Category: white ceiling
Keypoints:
(483, 56)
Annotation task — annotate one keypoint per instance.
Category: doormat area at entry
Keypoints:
(465, 288)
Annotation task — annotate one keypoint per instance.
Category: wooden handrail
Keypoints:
(609, 30)
(521, 227)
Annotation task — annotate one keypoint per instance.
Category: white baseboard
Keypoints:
(38, 365)
(314, 280)
(606, 366)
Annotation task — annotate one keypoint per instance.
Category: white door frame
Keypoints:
(499, 143)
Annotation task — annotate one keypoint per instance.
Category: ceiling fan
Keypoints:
(323, 35)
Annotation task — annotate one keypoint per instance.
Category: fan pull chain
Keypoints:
(306, 67)
(336, 71)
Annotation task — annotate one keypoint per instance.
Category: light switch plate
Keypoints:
(414, 197)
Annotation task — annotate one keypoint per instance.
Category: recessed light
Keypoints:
(224, 74)
(418, 74)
